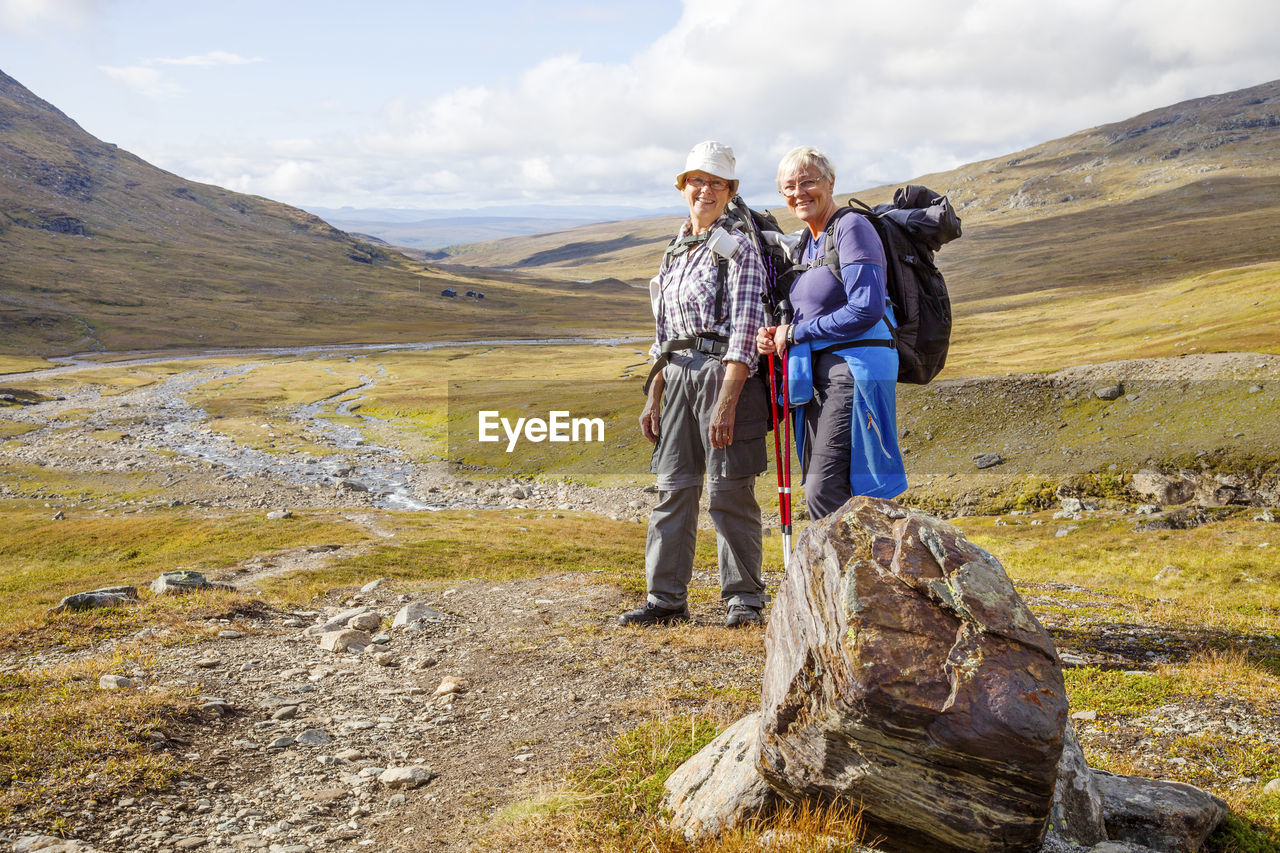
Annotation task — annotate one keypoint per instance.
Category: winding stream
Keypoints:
(173, 423)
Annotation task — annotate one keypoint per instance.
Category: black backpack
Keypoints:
(775, 251)
(912, 228)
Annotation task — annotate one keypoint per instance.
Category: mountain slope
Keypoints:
(101, 250)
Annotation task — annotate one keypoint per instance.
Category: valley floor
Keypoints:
(279, 744)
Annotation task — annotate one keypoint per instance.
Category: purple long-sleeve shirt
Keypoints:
(840, 310)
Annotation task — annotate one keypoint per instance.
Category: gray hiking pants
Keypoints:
(682, 457)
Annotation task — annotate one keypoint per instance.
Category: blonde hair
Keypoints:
(804, 157)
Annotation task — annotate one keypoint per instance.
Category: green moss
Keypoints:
(1113, 693)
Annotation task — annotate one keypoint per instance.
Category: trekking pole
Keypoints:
(777, 453)
(785, 501)
(784, 473)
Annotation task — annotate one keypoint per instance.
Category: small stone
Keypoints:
(1109, 391)
(221, 707)
(278, 514)
(448, 686)
(369, 621)
(372, 585)
(396, 801)
(1086, 716)
(1272, 787)
(228, 634)
(1168, 573)
(405, 777)
(416, 612)
(988, 460)
(115, 682)
(385, 659)
(288, 712)
(209, 663)
(314, 737)
(350, 754)
(346, 640)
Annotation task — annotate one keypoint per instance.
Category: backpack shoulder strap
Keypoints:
(830, 251)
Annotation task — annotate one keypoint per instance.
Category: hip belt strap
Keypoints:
(710, 344)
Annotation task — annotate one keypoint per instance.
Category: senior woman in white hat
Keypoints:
(705, 414)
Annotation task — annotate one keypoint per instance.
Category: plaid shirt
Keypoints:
(687, 296)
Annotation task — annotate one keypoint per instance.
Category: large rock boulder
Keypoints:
(719, 787)
(183, 581)
(1077, 816)
(1171, 817)
(107, 596)
(904, 674)
(1163, 488)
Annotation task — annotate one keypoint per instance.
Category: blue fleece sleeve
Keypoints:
(864, 292)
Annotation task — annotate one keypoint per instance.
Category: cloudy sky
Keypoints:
(449, 105)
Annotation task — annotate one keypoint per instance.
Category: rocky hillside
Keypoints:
(99, 249)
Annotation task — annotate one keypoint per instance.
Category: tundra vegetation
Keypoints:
(1205, 636)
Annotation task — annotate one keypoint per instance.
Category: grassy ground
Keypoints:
(1216, 621)
(1232, 310)
(613, 804)
(42, 559)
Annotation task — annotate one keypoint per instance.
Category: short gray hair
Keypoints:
(804, 157)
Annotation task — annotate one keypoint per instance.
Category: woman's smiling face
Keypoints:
(706, 195)
(808, 195)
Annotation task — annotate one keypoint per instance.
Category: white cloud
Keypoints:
(147, 80)
(25, 15)
(206, 60)
(142, 79)
(890, 91)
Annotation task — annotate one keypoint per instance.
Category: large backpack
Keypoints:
(912, 228)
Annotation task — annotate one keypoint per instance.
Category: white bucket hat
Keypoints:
(712, 158)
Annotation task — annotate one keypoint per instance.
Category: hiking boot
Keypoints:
(654, 614)
(742, 616)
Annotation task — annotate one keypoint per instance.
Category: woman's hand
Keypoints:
(764, 339)
(780, 338)
(651, 414)
(726, 406)
(722, 422)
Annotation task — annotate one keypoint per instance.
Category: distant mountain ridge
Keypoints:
(431, 230)
(99, 249)
(1188, 188)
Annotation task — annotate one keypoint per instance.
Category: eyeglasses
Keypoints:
(702, 183)
(807, 185)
